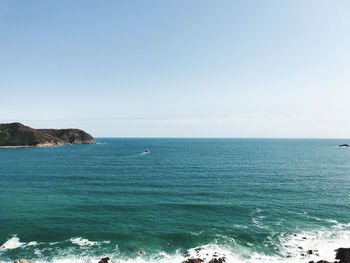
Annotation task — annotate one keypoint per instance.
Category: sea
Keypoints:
(245, 200)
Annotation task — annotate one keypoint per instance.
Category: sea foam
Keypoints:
(14, 242)
(11, 243)
(290, 248)
(83, 242)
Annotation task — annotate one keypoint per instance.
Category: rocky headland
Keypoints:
(13, 135)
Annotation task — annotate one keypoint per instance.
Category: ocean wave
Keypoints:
(302, 246)
(14, 242)
(11, 243)
(258, 219)
(31, 243)
(240, 226)
(83, 242)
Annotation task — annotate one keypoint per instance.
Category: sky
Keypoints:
(180, 68)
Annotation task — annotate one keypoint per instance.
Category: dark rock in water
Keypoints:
(344, 145)
(217, 260)
(310, 252)
(193, 260)
(104, 260)
(343, 254)
(321, 261)
(18, 135)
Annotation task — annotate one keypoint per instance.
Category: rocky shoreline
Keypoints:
(342, 255)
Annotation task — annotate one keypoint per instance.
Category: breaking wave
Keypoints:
(302, 246)
(14, 243)
(83, 242)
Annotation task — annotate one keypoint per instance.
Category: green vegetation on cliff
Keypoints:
(17, 134)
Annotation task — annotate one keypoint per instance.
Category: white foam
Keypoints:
(323, 244)
(257, 219)
(11, 243)
(332, 221)
(240, 226)
(31, 243)
(290, 248)
(207, 252)
(83, 242)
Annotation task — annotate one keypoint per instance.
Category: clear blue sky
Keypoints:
(182, 68)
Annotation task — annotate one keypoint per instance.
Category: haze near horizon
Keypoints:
(266, 69)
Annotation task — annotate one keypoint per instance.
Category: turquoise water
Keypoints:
(252, 200)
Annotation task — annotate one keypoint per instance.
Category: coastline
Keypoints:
(14, 147)
(33, 146)
(341, 254)
(42, 145)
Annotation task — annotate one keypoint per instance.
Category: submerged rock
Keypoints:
(217, 260)
(193, 260)
(321, 261)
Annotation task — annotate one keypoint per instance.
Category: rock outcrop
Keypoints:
(193, 260)
(217, 260)
(18, 135)
(104, 260)
(198, 255)
(343, 254)
(23, 261)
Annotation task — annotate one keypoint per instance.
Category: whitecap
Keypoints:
(83, 242)
(240, 226)
(11, 243)
(31, 243)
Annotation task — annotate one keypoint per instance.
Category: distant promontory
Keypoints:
(18, 135)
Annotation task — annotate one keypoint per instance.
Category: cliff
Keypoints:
(18, 135)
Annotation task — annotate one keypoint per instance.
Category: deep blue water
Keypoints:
(240, 197)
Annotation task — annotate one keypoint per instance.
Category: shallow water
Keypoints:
(238, 197)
